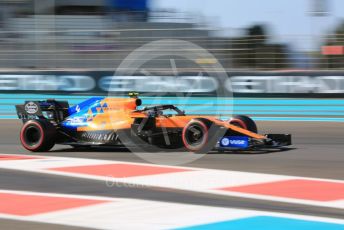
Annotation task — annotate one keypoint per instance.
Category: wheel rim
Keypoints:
(194, 135)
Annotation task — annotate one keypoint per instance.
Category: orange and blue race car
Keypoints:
(105, 121)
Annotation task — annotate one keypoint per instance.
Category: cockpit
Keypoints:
(162, 110)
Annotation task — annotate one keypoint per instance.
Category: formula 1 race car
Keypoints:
(119, 122)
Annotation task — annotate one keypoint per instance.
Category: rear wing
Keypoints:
(50, 109)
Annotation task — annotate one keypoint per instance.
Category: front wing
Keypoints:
(272, 141)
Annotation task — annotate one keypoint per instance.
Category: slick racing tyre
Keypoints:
(38, 135)
(244, 122)
(200, 135)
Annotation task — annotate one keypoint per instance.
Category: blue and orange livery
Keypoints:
(119, 122)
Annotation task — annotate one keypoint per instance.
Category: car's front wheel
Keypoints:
(38, 135)
(200, 135)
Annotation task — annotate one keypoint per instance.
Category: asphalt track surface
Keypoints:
(317, 151)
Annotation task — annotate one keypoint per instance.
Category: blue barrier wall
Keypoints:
(258, 108)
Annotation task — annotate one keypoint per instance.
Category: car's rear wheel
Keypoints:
(38, 135)
(244, 122)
